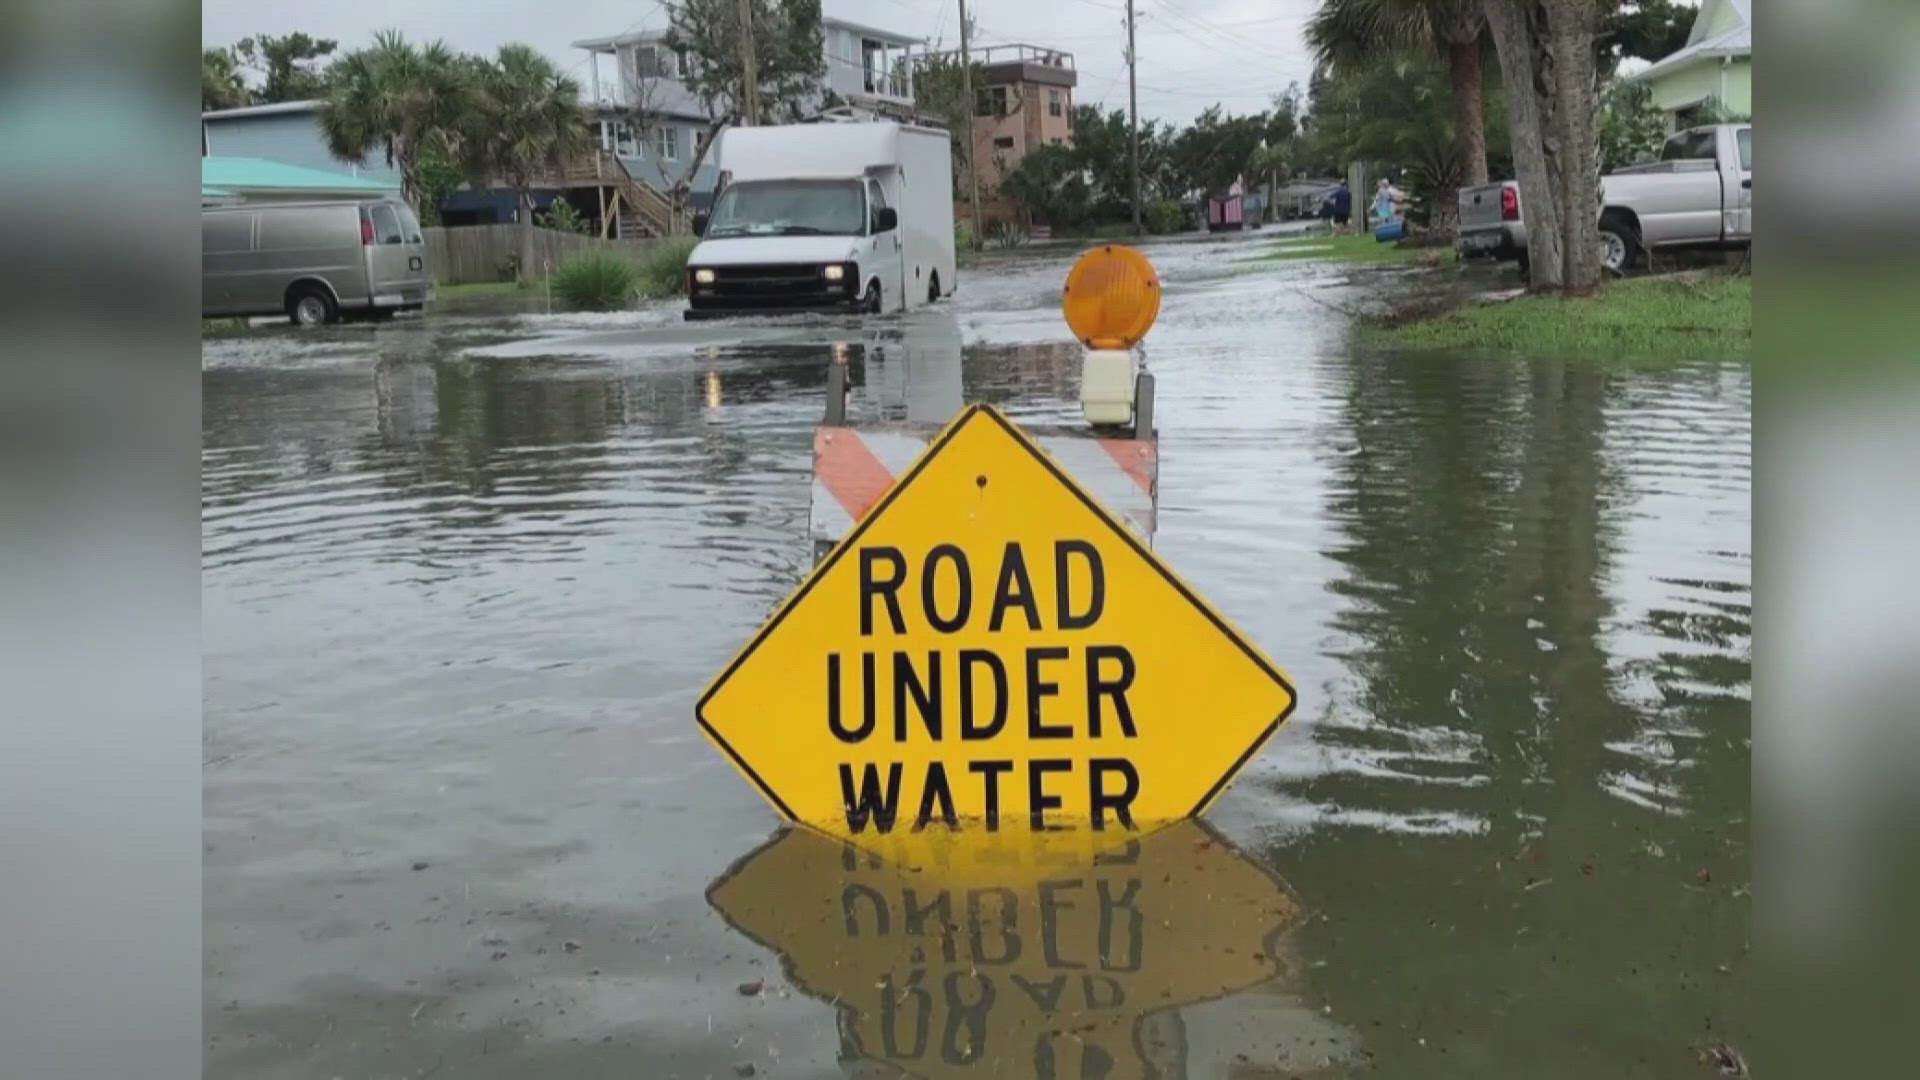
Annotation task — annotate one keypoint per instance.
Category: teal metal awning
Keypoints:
(238, 175)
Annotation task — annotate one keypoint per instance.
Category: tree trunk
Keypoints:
(1469, 107)
(1572, 25)
(1357, 196)
(1443, 217)
(400, 156)
(525, 198)
(682, 192)
(1516, 25)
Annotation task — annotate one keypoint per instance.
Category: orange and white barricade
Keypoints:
(853, 467)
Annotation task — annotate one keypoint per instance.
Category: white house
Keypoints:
(635, 73)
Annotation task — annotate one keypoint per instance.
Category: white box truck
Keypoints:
(849, 216)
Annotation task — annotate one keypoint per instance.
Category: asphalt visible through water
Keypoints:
(465, 576)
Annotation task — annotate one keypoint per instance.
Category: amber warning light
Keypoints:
(1112, 297)
(1110, 301)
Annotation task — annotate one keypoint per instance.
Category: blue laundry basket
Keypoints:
(1388, 231)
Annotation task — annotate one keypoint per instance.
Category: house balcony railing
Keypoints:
(987, 55)
(881, 84)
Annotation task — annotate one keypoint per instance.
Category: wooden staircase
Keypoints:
(638, 208)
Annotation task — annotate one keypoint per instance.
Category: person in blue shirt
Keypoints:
(1337, 208)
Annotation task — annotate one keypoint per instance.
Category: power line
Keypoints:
(1220, 36)
(658, 5)
(1133, 117)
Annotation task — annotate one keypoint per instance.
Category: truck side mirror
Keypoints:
(886, 219)
(699, 224)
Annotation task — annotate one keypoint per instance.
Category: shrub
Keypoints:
(596, 282)
(963, 238)
(663, 272)
(562, 216)
(1005, 234)
(1165, 216)
(1632, 127)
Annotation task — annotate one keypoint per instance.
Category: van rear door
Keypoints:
(397, 258)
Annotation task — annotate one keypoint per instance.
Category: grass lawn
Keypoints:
(473, 289)
(1358, 248)
(1652, 318)
(222, 328)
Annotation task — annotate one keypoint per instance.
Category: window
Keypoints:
(1056, 103)
(873, 63)
(843, 46)
(990, 101)
(1003, 142)
(623, 141)
(654, 62)
(1695, 144)
(666, 142)
(1745, 139)
(788, 208)
(876, 202)
(409, 225)
(386, 224)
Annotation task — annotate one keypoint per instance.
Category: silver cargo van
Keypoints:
(317, 262)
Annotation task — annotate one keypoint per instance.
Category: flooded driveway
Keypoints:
(465, 576)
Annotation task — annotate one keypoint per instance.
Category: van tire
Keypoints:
(933, 287)
(311, 305)
(874, 302)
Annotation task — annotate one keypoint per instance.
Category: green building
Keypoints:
(1716, 65)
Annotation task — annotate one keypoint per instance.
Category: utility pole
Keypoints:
(968, 109)
(749, 68)
(1133, 121)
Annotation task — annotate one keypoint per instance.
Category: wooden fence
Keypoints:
(471, 253)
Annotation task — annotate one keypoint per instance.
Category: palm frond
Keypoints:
(1345, 33)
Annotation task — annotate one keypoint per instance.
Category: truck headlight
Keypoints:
(833, 272)
(703, 276)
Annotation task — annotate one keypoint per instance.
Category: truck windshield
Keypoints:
(789, 208)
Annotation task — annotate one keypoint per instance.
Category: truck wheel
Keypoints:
(872, 301)
(311, 305)
(1619, 244)
(933, 288)
(1526, 263)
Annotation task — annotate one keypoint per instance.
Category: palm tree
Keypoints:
(397, 98)
(1348, 33)
(1268, 163)
(1398, 109)
(527, 123)
(221, 85)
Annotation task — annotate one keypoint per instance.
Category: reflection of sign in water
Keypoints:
(990, 643)
(1024, 958)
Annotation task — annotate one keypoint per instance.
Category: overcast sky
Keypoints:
(1192, 52)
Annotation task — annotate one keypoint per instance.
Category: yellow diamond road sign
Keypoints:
(990, 645)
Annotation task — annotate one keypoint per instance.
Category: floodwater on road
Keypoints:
(465, 575)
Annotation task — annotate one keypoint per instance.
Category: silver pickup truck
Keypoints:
(1700, 193)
